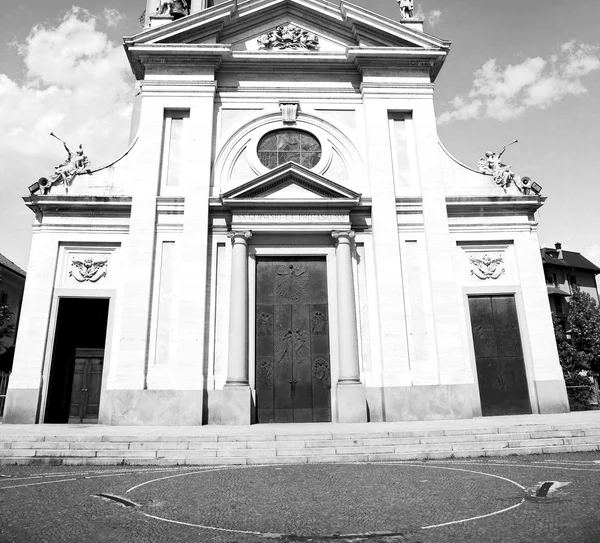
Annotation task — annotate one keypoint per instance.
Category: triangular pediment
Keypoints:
(240, 26)
(291, 183)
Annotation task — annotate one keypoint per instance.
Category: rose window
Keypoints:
(283, 146)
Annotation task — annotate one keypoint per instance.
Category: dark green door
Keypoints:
(293, 377)
(499, 356)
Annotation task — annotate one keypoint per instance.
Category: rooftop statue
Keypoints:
(174, 8)
(407, 9)
(289, 37)
(501, 173)
(77, 163)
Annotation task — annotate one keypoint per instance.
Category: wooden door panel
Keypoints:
(302, 386)
(294, 292)
(283, 374)
(501, 373)
(482, 320)
(77, 400)
(264, 363)
(321, 366)
(94, 387)
(507, 327)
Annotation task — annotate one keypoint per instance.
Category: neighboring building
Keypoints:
(563, 270)
(12, 284)
(286, 240)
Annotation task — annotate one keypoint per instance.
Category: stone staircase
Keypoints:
(297, 444)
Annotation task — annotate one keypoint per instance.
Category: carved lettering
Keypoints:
(290, 218)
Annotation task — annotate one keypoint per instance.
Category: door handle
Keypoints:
(293, 386)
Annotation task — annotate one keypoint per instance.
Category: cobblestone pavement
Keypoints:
(485, 500)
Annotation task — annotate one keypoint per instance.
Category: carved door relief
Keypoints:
(501, 370)
(293, 374)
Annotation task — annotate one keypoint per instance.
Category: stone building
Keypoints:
(286, 240)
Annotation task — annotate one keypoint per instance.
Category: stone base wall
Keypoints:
(151, 407)
(395, 404)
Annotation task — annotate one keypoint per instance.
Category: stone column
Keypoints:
(237, 367)
(236, 399)
(352, 401)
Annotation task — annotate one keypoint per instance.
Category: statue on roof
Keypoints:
(407, 9)
(502, 174)
(174, 8)
(77, 163)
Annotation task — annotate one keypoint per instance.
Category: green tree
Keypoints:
(584, 326)
(579, 350)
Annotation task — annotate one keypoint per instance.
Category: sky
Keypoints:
(526, 70)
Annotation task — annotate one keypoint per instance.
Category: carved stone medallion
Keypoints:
(487, 267)
(88, 270)
(289, 37)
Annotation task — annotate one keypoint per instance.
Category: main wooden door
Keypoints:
(499, 356)
(87, 384)
(293, 375)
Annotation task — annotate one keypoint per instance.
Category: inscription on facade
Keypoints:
(291, 218)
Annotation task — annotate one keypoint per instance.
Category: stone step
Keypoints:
(283, 445)
(325, 456)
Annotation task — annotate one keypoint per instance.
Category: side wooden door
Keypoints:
(87, 385)
(501, 372)
(293, 374)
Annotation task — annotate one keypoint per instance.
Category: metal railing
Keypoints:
(3, 388)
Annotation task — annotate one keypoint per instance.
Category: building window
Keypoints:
(572, 280)
(173, 142)
(4, 298)
(404, 154)
(277, 148)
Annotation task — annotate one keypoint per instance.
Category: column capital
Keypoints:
(243, 235)
(339, 235)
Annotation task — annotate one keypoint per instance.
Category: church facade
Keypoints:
(285, 240)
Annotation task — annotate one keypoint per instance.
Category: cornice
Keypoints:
(114, 206)
(493, 205)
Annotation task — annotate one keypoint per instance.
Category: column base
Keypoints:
(230, 407)
(352, 402)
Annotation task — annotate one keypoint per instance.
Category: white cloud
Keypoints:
(507, 93)
(593, 254)
(112, 17)
(433, 17)
(78, 84)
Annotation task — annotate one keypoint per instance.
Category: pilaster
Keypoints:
(31, 348)
(386, 244)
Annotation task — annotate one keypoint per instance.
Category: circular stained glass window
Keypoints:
(283, 146)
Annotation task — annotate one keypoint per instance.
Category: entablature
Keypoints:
(493, 206)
